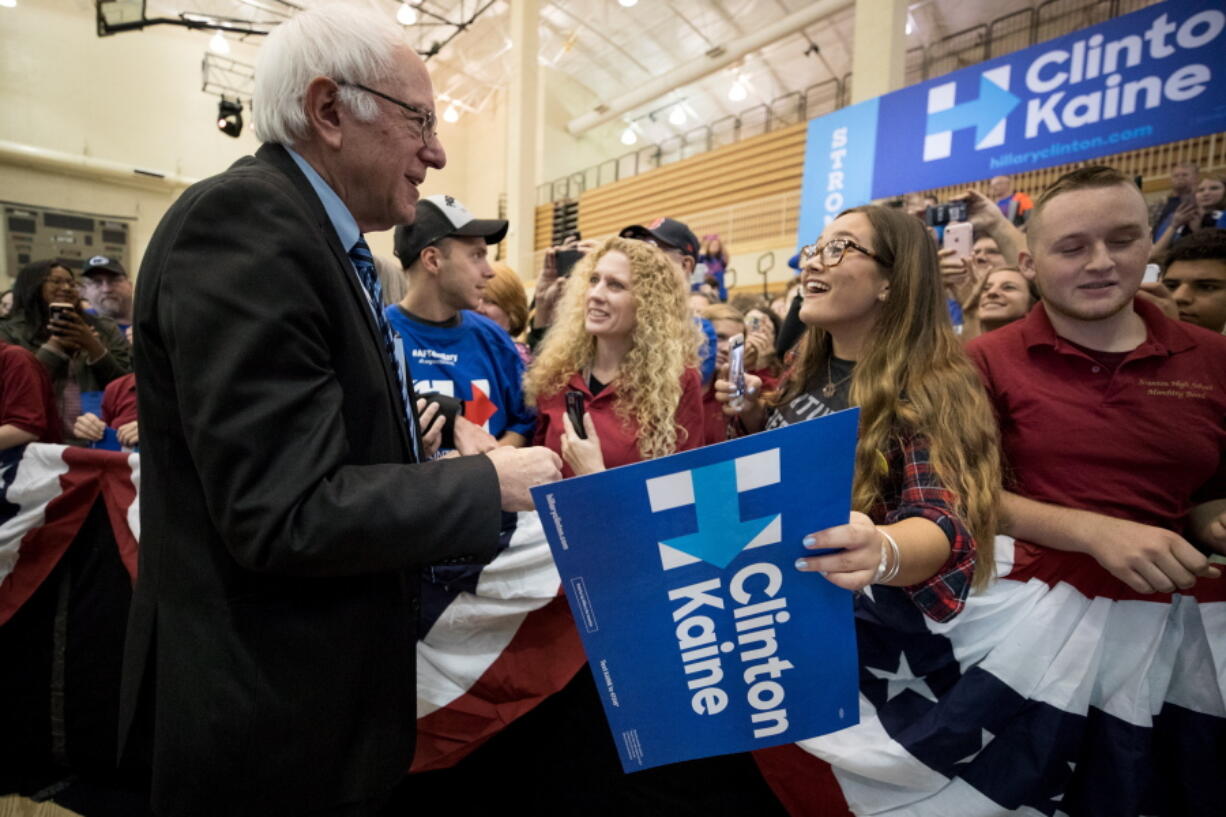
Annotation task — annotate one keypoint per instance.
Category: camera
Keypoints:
(938, 215)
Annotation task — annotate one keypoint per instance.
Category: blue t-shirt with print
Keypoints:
(474, 360)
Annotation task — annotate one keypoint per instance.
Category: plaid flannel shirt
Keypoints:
(912, 489)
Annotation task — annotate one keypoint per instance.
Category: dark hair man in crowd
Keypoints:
(449, 348)
(285, 505)
(1184, 178)
(1083, 387)
(108, 290)
(681, 246)
(1195, 273)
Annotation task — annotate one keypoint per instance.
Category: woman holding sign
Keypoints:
(614, 382)
(927, 476)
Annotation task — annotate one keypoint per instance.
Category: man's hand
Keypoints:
(982, 212)
(1187, 215)
(471, 438)
(1148, 559)
(1214, 533)
(1207, 522)
(88, 427)
(1161, 297)
(432, 424)
(521, 469)
(128, 434)
(582, 455)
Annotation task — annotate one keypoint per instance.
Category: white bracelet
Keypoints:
(884, 575)
(881, 565)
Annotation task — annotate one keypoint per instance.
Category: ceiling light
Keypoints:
(219, 45)
(628, 3)
(629, 137)
(9, 4)
(230, 117)
(451, 114)
(406, 15)
(677, 116)
(737, 92)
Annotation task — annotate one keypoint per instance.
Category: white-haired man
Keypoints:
(285, 502)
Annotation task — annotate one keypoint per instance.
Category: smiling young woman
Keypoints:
(623, 339)
(927, 464)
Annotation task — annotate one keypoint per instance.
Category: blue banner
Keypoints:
(1153, 76)
(703, 637)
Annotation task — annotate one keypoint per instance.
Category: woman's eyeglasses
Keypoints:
(832, 252)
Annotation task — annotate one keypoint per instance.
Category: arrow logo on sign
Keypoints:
(986, 115)
(721, 534)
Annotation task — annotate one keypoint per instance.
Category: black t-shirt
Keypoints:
(814, 402)
(1108, 360)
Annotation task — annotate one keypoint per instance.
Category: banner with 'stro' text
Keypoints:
(702, 636)
(1153, 76)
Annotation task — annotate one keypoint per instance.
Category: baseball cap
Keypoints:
(101, 263)
(440, 217)
(667, 231)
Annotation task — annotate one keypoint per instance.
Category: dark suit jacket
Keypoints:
(271, 644)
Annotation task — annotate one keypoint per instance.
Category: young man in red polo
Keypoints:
(1086, 387)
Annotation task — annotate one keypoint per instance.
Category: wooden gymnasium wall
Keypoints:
(749, 192)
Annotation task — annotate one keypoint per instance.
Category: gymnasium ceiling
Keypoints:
(610, 49)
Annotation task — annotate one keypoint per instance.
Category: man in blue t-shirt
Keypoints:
(448, 348)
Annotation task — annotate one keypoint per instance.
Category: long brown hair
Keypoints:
(914, 378)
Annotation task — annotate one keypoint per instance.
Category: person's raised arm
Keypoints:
(986, 217)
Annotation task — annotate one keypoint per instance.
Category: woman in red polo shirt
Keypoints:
(623, 340)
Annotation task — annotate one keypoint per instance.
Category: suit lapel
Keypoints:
(276, 157)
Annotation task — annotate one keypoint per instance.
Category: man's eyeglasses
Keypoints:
(424, 119)
(832, 252)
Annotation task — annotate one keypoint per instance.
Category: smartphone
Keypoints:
(755, 323)
(59, 309)
(1152, 272)
(565, 261)
(959, 237)
(736, 369)
(575, 410)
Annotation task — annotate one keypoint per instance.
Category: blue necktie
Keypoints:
(364, 263)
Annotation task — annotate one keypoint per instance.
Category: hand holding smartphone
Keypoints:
(60, 310)
(575, 410)
(959, 237)
(736, 370)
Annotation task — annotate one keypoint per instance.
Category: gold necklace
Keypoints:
(831, 386)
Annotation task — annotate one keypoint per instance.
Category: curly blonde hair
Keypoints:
(664, 344)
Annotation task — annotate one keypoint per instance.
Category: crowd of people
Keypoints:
(1034, 416)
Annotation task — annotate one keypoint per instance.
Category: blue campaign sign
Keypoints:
(703, 637)
(1153, 76)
